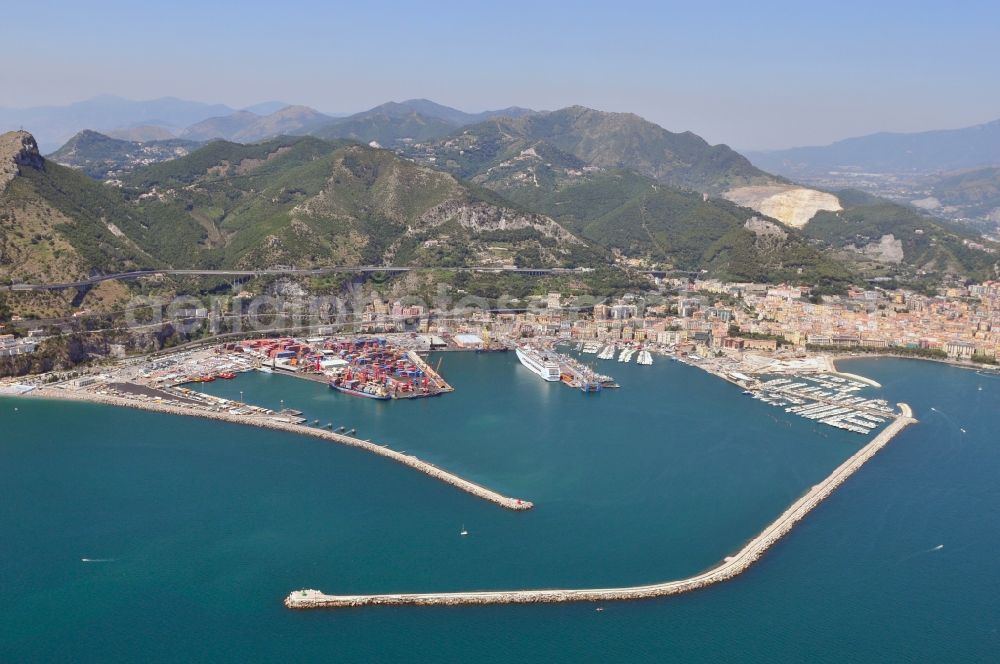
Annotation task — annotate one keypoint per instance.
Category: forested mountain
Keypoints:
(897, 235)
(103, 157)
(574, 187)
(452, 116)
(386, 127)
(289, 201)
(597, 139)
(58, 224)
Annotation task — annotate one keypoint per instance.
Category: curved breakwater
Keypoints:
(270, 423)
(729, 568)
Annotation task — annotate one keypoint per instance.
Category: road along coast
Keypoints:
(730, 567)
(275, 422)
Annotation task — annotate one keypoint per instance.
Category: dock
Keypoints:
(277, 421)
(729, 568)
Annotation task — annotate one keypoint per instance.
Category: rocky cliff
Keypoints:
(17, 149)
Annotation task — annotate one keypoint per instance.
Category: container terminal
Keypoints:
(369, 367)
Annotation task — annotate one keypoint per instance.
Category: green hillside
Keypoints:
(101, 156)
(385, 127)
(610, 141)
(290, 201)
(305, 201)
(975, 194)
(929, 246)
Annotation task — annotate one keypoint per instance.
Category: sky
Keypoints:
(754, 75)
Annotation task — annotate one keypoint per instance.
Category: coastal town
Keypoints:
(730, 328)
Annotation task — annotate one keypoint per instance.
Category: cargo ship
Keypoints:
(539, 363)
(358, 389)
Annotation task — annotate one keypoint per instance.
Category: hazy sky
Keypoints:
(750, 74)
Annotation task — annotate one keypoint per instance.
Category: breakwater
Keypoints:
(273, 422)
(730, 567)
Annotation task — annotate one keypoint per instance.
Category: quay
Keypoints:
(730, 567)
(277, 422)
(440, 385)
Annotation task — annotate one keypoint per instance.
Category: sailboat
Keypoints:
(463, 532)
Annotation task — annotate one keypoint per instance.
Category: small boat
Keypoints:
(463, 532)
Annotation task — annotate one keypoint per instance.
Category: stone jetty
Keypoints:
(730, 567)
(275, 421)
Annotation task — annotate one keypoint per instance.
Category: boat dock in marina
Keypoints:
(730, 567)
(641, 355)
(607, 353)
(828, 399)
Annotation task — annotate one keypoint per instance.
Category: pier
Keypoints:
(730, 567)
(280, 423)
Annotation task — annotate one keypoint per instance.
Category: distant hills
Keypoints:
(951, 174)
(415, 120)
(156, 118)
(447, 114)
(103, 157)
(387, 124)
(249, 127)
(910, 153)
(54, 125)
(290, 201)
(141, 133)
(571, 187)
(972, 194)
(583, 136)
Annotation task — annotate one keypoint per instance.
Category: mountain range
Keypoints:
(572, 187)
(293, 200)
(54, 125)
(103, 157)
(249, 127)
(886, 152)
(169, 117)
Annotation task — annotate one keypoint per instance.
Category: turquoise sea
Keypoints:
(196, 530)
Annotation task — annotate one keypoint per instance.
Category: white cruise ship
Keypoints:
(539, 363)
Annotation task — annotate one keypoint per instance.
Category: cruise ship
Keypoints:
(539, 363)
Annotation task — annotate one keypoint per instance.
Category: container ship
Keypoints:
(539, 363)
(358, 389)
